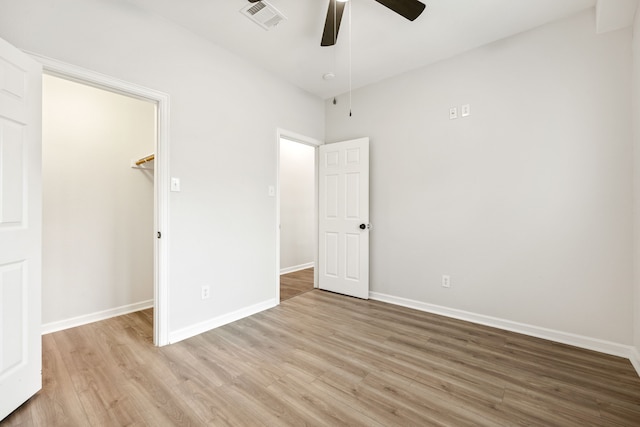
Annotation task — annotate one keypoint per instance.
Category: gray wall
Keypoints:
(224, 117)
(526, 203)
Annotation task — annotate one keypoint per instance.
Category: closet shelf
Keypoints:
(139, 164)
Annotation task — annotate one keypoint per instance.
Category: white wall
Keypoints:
(97, 211)
(224, 117)
(297, 205)
(636, 162)
(527, 203)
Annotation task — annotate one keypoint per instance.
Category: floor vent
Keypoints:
(263, 14)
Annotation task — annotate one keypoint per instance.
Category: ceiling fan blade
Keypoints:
(332, 23)
(410, 9)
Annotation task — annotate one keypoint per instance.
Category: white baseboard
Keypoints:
(60, 325)
(297, 268)
(635, 359)
(191, 331)
(595, 344)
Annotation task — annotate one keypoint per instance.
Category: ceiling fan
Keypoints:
(410, 9)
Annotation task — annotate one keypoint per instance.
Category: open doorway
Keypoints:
(160, 193)
(297, 214)
(297, 205)
(98, 210)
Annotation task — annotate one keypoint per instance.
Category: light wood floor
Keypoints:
(322, 359)
(296, 283)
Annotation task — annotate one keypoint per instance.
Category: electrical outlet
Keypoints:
(205, 292)
(446, 281)
(465, 110)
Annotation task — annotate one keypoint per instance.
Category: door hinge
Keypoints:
(159, 235)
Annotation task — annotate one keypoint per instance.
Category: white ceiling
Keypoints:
(384, 44)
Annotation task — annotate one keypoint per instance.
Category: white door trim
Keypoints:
(161, 175)
(296, 137)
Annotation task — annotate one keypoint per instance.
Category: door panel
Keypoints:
(331, 198)
(14, 291)
(331, 255)
(20, 227)
(12, 169)
(352, 256)
(352, 199)
(343, 207)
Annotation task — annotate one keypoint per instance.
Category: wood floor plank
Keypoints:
(276, 411)
(93, 382)
(323, 359)
(57, 404)
(528, 408)
(351, 393)
(296, 283)
(619, 413)
(332, 411)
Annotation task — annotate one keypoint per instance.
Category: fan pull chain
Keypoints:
(335, 35)
(350, 66)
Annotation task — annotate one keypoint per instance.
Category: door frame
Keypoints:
(315, 143)
(161, 175)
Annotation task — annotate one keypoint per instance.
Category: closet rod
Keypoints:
(145, 159)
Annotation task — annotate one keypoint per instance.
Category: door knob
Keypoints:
(363, 226)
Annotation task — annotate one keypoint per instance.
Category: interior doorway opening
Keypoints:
(98, 206)
(297, 215)
(160, 231)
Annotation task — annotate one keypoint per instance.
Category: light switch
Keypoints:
(175, 184)
(453, 113)
(465, 110)
(272, 191)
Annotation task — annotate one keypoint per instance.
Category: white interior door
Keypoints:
(343, 229)
(20, 227)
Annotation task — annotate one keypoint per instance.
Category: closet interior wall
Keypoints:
(97, 209)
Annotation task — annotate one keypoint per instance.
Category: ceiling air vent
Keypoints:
(263, 14)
